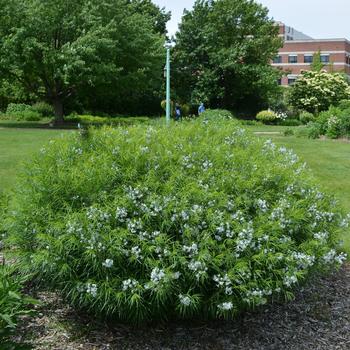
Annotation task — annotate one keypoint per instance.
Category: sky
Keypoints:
(320, 19)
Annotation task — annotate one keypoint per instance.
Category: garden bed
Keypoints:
(319, 318)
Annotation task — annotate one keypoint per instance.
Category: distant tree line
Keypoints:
(107, 56)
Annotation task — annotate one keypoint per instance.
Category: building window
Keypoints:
(277, 59)
(291, 81)
(325, 58)
(279, 81)
(292, 59)
(308, 58)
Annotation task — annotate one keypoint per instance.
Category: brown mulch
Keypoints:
(319, 318)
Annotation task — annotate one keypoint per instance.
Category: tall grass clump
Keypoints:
(193, 220)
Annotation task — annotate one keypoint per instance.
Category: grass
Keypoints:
(18, 145)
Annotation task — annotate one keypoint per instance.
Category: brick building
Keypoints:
(298, 51)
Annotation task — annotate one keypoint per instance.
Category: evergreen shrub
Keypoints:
(197, 219)
(267, 117)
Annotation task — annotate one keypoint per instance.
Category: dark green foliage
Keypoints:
(43, 108)
(148, 223)
(13, 304)
(98, 54)
(222, 55)
(290, 122)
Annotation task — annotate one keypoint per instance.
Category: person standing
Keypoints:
(201, 108)
(178, 116)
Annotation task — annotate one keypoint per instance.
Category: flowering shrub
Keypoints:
(333, 123)
(195, 219)
(317, 91)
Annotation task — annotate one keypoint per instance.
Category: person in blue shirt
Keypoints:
(178, 113)
(201, 108)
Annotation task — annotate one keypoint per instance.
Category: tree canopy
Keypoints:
(101, 52)
(223, 54)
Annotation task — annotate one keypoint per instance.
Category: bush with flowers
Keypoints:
(271, 117)
(333, 123)
(316, 91)
(197, 219)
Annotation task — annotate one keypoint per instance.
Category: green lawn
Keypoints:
(16, 146)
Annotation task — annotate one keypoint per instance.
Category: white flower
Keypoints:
(262, 205)
(121, 214)
(289, 280)
(129, 284)
(136, 251)
(157, 275)
(191, 250)
(185, 300)
(224, 282)
(91, 288)
(176, 275)
(226, 306)
(321, 236)
(108, 263)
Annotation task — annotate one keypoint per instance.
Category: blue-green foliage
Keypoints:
(194, 219)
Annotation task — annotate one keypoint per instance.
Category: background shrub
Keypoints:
(21, 112)
(316, 91)
(195, 219)
(290, 122)
(334, 123)
(44, 109)
(344, 104)
(216, 115)
(267, 117)
(89, 120)
(16, 108)
(306, 117)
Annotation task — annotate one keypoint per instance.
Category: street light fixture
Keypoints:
(168, 45)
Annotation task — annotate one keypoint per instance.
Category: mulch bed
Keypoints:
(319, 318)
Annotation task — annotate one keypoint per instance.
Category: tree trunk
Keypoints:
(58, 108)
